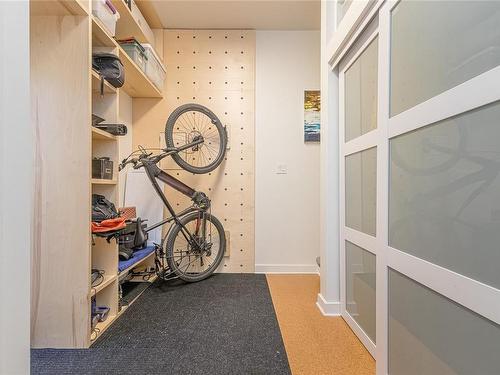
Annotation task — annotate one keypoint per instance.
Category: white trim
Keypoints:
(476, 92)
(358, 331)
(358, 16)
(381, 292)
(328, 308)
(287, 268)
(476, 296)
(361, 143)
(367, 242)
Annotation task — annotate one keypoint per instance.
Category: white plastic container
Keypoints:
(107, 14)
(154, 69)
(141, 21)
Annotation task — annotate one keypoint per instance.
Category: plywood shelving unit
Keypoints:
(65, 93)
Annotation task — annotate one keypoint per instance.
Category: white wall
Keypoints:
(287, 216)
(125, 142)
(16, 188)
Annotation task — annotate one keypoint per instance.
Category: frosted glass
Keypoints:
(360, 287)
(361, 93)
(361, 191)
(444, 194)
(430, 334)
(437, 45)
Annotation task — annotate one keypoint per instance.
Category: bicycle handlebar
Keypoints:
(137, 162)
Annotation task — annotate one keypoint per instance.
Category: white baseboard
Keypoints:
(286, 268)
(328, 308)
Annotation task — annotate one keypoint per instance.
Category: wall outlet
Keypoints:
(281, 169)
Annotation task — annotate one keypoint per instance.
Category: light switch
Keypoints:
(281, 169)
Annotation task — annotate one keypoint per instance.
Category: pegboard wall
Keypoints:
(215, 68)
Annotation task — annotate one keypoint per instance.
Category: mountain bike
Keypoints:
(195, 242)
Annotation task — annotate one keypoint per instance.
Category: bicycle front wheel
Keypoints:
(192, 122)
(195, 262)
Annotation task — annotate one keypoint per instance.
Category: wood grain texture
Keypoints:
(315, 344)
(215, 68)
(60, 93)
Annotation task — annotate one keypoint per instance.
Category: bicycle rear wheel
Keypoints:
(195, 263)
(191, 122)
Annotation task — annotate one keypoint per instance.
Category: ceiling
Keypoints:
(245, 14)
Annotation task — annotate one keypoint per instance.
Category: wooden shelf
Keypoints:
(137, 85)
(100, 37)
(108, 280)
(97, 181)
(57, 8)
(135, 264)
(101, 135)
(103, 326)
(96, 84)
(127, 26)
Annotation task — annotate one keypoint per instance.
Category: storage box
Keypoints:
(102, 168)
(154, 69)
(141, 21)
(107, 14)
(136, 54)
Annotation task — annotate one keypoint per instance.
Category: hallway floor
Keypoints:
(228, 324)
(315, 344)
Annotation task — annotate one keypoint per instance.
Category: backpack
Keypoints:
(102, 209)
(110, 68)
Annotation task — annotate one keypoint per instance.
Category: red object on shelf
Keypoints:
(108, 225)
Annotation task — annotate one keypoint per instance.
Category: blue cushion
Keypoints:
(138, 255)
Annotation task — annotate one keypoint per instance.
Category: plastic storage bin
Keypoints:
(136, 54)
(154, 69)
(106, 13)
(141, 21)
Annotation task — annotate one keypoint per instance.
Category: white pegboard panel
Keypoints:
(214, 68)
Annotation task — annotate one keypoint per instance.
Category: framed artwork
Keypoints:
(312, 115)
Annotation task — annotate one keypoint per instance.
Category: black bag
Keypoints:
(131, 238)
(110, 68)
(102, 209)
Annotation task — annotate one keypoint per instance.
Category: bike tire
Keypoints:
(172, 264)
(221, 132)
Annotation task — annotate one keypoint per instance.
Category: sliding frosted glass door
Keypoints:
(358, 113)
(419, 134)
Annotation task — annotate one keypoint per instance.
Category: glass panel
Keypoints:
(360, 287)
(361, 93)
(437, 45)
(430, 334)
(361, 190)
(444, 193)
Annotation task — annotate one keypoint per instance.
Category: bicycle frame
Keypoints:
(154, 172)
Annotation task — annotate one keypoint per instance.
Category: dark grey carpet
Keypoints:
(223, 325)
